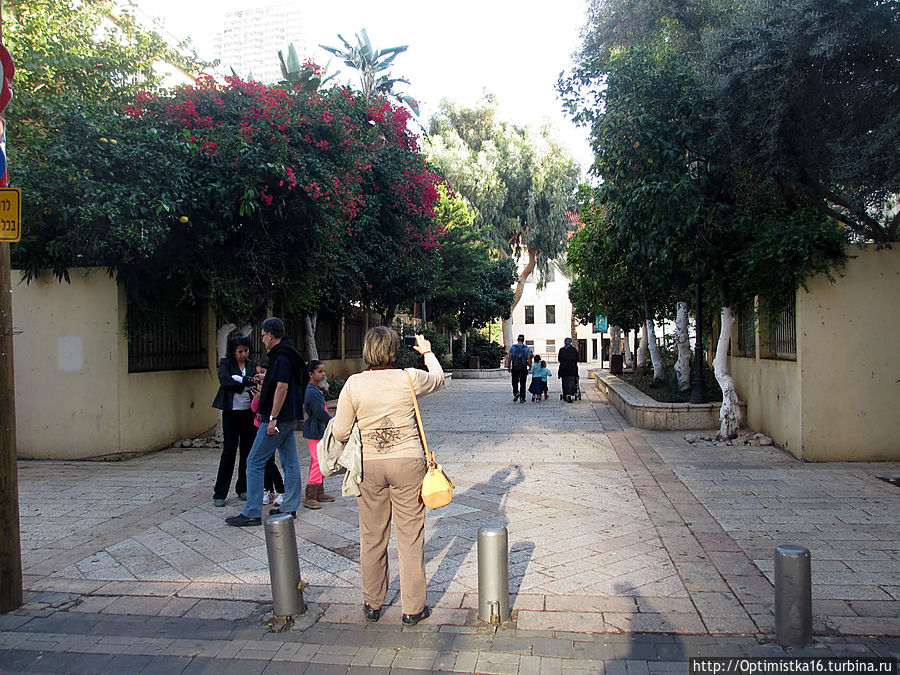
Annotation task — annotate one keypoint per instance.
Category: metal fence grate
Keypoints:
(781, 337)
(328, 336)
(160, 343)
(354, 332)
(746, 345)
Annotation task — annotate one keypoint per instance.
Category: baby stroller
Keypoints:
(575, 390)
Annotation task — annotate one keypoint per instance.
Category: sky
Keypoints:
(514, 49)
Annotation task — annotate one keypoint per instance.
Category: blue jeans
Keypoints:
(263, 450)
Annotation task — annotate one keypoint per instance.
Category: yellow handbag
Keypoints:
(437, 488)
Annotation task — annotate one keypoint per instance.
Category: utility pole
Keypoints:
(10, 544)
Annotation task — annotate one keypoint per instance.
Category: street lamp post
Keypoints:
(698, 391)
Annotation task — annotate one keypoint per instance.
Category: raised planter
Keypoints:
(480, 374)
(642, 411)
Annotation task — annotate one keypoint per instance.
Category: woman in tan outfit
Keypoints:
(380, 401)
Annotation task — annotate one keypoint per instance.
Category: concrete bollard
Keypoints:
(793, 596)
(493, 575)
(284, 565)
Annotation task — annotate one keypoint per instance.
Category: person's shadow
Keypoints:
(455, 534)
(650, 636)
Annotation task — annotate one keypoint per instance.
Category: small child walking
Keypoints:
(273, 484)
(536, 388)
(544, 373)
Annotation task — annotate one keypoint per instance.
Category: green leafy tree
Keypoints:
(474, 286)
(520, 183)
(674, 200)
(806, 97)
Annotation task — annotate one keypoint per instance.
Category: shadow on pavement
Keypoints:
(456, 538)
(659, 642)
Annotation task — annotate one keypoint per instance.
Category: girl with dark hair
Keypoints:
(317, 417)
(236, 378)
(273, 484)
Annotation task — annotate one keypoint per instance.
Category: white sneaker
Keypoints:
(278, 499)
(267, 498)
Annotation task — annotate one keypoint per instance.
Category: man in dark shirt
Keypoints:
(518, 361)
(281, 402)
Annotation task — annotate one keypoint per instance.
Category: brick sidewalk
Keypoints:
(618, 536)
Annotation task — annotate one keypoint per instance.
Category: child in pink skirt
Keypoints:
(317, 417)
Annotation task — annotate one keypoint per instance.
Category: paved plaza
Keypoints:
(630, 551)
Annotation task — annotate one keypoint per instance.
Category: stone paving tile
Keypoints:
(612, 529)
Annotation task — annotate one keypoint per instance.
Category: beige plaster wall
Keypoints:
(840, 401)
(74, 396)
(772, 392)
(851, 361)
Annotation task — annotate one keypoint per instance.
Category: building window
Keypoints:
(174, 341)
(551, 313)
(529, 313)
(551, 346)
(746, 325)
(779, 339)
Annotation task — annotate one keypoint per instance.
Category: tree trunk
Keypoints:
(222, 349)
(309, 322)
(683, 364)
(642, 347)
(650, 341)
(730, 412)
(615, 340)
(464, 343)
(222, 340)
(520, 288)
(629, 360)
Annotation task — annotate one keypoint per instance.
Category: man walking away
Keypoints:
(281, 402)
(518, 359)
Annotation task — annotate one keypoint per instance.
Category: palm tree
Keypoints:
(372, 65)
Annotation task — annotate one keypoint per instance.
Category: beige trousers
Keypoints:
(390, 491)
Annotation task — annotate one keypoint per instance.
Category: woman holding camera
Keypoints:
(380, 401)
(236, 378)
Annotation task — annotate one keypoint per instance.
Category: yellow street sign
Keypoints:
(10, 214)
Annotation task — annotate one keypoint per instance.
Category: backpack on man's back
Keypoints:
(519, 356)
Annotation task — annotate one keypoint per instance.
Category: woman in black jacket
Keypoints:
(568, 369)
(236, 377)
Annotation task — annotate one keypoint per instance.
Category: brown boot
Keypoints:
(309, 500)
(321, 496)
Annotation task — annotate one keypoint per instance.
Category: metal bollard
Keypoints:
(284, 566)
(793, 596)
(493, 575)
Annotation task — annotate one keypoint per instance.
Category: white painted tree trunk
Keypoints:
(222, 340)
(655, 357)
(222, 349)
(309, 321)
(642, 347)
(683, 364)
(464, 343)
(730, 412)
(615, 340)
(629, 361)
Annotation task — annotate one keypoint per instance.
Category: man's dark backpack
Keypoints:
(518, 356)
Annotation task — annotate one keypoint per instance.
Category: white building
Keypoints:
(545, 318)
(251, 38)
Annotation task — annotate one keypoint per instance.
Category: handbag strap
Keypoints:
(429, 456)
